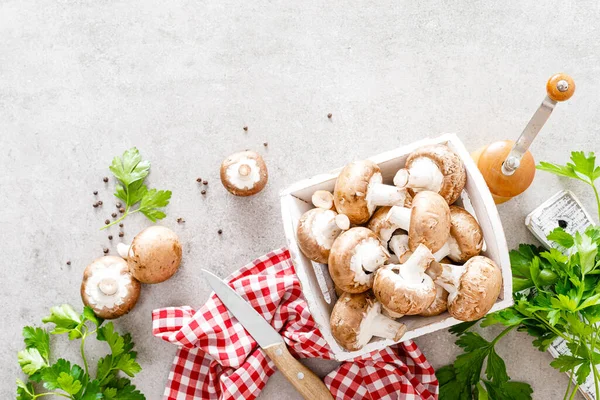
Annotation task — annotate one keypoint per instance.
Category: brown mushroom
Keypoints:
(473, 287)
(154, 255)
(427, 222)
(435, 168)
(406, 288)
(244, 173)
(359, 190)
(465, 240)
(382, 226)
(317, 230)
(353, 258)
(439, 305)
(357, 317)
(108, 287)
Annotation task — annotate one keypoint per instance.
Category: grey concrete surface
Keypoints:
(80, 81)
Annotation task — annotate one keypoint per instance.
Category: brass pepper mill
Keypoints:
(508, 167)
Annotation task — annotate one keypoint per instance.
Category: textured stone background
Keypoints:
(80, 81)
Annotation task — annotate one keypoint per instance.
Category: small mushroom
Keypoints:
(323, 199)
(382, 226)
(108, 287)
(435, 168)
(154, 255)
(244, 173)
(359, 190)
(398, 244)
(317, 230)
(357, 317)
(406, 288)
(427, 222)
(473, 287)
(465, 240)
(353, 258)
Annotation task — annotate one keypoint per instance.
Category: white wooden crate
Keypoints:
(296, 200)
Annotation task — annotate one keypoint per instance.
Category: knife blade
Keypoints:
(304, 380)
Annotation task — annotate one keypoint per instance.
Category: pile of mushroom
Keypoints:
(111, 285)
(399, 250)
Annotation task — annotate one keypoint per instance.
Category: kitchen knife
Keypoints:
(304, 380)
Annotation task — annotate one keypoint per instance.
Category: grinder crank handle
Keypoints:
(560, 87)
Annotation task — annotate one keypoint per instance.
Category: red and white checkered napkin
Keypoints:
(219, 360)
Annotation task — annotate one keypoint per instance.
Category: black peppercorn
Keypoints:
(105, 179)
(100, 202)
(329, 115)
(106, 221)
(198, 180)
(95, 192)
(118, 205)
(205, 182)
(114, 215)
(68, 262)
(121, 234)
(246, 128)
(109, 237)
(265, 144)
(203, 192)
(105, 250)
(220, 231)
(95, 205)
(121, 225)
(121, 210)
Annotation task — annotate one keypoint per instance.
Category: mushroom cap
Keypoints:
(346, 317)
(439, 305)
(112, 275)
(307, 241)
(480, 286)
(350, 192)
(449, 164)
(429, 221)
(154, 255)
(467, 233)
(340, 259)
(258, 173)
(405, 299)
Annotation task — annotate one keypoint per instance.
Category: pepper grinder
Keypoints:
(507, 166)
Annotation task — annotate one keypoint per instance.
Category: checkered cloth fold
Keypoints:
(218, 359)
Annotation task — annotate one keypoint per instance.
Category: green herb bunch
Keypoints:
(63, 379)
(556, 295)
(131, 171)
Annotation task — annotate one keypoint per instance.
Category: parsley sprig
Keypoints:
(63, 379)
(556, 294)
(131, 171)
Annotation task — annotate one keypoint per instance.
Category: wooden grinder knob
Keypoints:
(560, 87)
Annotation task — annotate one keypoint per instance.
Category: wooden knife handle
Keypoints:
(560, 87)
(309, 385)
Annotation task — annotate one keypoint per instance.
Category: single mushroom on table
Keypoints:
(473, 287)
(356, 318)
(465, 240)
(359, 191)
(244, 173)
(109, 288)
(435, 168)
(405, 288)
(154, 255)
(353, 258)
(317, 230)
(427, 222)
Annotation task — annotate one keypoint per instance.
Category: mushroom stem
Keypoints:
(376, 324)
(370, 255)
(399, 245)
(385, 327)
(244, 170)
(322, 199)
(123, 250)
(330, 231)
(423, 174)
(449, 249)
(449, 279)
(400, 216)
(385, 195)
(416, 265)
(108, 286)
(342, 221)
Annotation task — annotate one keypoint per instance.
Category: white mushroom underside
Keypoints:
(368, 255)
(450, 279)
(399, 244)
(100, 299)
(376, 324)
(240, 181)
(324, 229)
(425, 175)
(450, 249)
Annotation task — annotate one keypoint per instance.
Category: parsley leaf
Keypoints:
(561, 237)
(66, 320)
(131, 171)
(39, 339)
(31, 360)
(115, 341)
